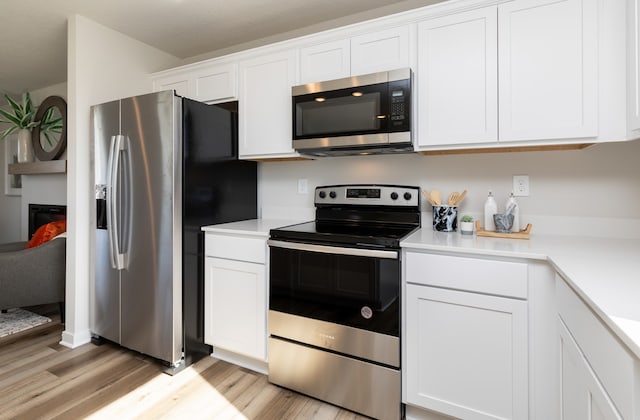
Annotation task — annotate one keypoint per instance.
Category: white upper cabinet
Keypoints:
(456, 79)
(326, 61)
(179, 82)
(633, 75)
(206, 83)
(522, 71)
(216, 84)
(487, 74)
(547, 56)
(380, 51)
(265, 106)
(370, 52)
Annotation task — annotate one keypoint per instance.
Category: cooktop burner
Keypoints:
(358, 215)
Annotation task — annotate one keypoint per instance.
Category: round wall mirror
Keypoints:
(50, 136)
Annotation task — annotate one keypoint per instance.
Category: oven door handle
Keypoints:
(325, 249)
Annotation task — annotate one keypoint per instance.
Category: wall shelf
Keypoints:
(33, 168)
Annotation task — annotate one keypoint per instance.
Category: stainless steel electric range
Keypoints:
(334, 298)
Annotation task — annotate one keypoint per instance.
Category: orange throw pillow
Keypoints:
(47, 232)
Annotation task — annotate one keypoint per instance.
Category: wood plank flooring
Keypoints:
(40, 379)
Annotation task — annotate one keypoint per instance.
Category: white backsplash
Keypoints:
(595, 191)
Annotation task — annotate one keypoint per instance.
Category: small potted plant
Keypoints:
(20, 118)
(466, 225)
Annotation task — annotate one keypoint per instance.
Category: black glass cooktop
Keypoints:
(377, 235)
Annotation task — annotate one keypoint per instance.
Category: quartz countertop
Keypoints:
(252, 227)
(605, 273)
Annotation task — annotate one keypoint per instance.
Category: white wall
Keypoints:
(9, 204)
(40, 189)
(595, 191)
(102, 65)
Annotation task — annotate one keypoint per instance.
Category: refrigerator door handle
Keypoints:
(117, 258)
(127, 204)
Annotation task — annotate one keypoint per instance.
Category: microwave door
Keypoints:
(345, 112)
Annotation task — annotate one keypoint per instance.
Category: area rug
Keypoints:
(16, 320)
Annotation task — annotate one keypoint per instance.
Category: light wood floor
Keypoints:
(40, 379)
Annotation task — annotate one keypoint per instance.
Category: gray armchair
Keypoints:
(34, 276)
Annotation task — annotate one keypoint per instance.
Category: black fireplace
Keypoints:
(41, 214)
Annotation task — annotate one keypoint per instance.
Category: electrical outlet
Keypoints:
(521, 185)
(303, 186)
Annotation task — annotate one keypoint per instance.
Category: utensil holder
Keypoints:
(445, 218)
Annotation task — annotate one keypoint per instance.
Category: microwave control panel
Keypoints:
(400, 105)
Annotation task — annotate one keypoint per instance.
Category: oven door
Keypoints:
(338, 298)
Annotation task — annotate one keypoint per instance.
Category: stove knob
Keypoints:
(332, 194)
(322, 194)
(407, 196)
(394, 195)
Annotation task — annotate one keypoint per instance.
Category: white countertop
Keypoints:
(604, 272)
(253, 227)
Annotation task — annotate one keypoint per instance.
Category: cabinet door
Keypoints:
(633, 34)
(380, 51)
(466, 353)
(216, 84)
(326, 61)
(548, 69)
(265, 106)
(236, 307)
(181, 83)
(582, 395)
(457, 78)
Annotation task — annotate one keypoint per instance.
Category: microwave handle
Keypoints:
(325, 249)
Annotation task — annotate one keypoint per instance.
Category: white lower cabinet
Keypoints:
(466, 353)
(235, 292)
(235, 287)
(583, 397)
(600, 378)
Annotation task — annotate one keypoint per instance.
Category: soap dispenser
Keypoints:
(516, 212)
(490, 208)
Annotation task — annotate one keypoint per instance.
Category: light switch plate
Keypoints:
(303, 186)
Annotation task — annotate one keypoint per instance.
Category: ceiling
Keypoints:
(33, 51)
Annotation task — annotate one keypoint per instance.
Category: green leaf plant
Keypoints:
(20, 116)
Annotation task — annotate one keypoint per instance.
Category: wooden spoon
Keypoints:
(428, 196)
(453, 198)
(461, 197)
(437, 197)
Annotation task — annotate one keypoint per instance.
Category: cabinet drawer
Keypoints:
(239, 248)
(484, 276)
(611, 362)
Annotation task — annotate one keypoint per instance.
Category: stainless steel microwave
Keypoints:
(366, 114)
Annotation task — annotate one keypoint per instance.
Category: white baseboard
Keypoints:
(255, 365)
(73, 340)
(416, 413)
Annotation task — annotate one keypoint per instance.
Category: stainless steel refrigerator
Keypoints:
(164, 166)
